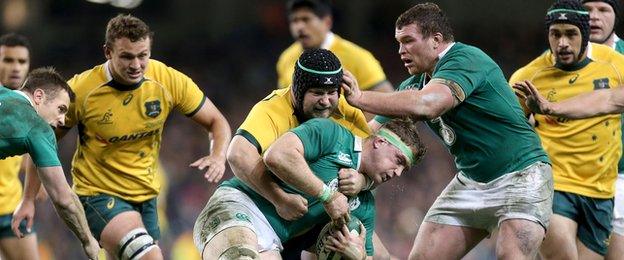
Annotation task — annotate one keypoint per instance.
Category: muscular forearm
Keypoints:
(73, 215)
(247, 165)
(596, 103)
(65, 201)
(260, 180)
(291, 167)
(32, 184)
(420, 105)
(221, 136)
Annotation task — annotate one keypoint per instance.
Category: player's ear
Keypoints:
(38, 96)
(107, 51)
(328, 21)
(378, 141)
(437, 39)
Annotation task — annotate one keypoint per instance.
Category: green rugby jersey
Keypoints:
(487, 132)
(22, 130)
(328, 147)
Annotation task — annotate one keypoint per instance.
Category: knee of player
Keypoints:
(135, 244)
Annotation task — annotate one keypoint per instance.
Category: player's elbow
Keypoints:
(62, 199)
(431, 106)
(274, 159)
(426, 111)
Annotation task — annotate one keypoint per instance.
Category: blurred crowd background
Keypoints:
(229, 48)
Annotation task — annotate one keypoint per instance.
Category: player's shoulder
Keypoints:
(603, 53)
(343, 46)
(289, 55)
(326, 126)
(541, 62)
(276, 103)
(159, 71)
(88, 80)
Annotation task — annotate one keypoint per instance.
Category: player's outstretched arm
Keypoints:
(595, 103)
(285, 158)
(68, 207)
(32, 185)
(211, 118)
(432, 101)
(247, 165)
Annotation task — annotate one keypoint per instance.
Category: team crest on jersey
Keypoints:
(601, 83)
(106, 118)
(152, 108)
(345, 158)
(447, 133)
(354, 202)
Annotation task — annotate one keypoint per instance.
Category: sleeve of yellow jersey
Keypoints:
(71, 118)
(366, 70)
(285, 66)
(259, 128)
(187, 97)
(618, 63)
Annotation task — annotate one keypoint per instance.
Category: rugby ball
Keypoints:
(323, 253)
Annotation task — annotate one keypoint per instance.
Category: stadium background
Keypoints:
(230, 48)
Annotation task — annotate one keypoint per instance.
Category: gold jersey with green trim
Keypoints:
(585, 152)
(120, 128)
(354, 58)
(275, 115)
(10, 184)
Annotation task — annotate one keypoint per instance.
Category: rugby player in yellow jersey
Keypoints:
(14, 65)
(310, 96)
(310, 23)
(120, 110)
(584, 153)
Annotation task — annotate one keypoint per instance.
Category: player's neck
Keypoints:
(610, 41)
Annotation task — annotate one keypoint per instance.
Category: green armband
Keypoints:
(325, 194)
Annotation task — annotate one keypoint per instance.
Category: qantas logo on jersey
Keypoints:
(132, 137)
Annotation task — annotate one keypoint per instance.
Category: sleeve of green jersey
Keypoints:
(317, 136)
(406, 84)
(41, 144)
(462, 70)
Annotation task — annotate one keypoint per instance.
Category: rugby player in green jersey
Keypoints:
(28, 116)
(238, 222)
(464, 97)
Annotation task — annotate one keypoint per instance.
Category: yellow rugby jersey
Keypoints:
(120, 128)
(275, 115)
(356, 59)
(10, 184)
(585, 152)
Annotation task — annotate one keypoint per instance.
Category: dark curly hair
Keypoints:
(429, 18)
(126, 26)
